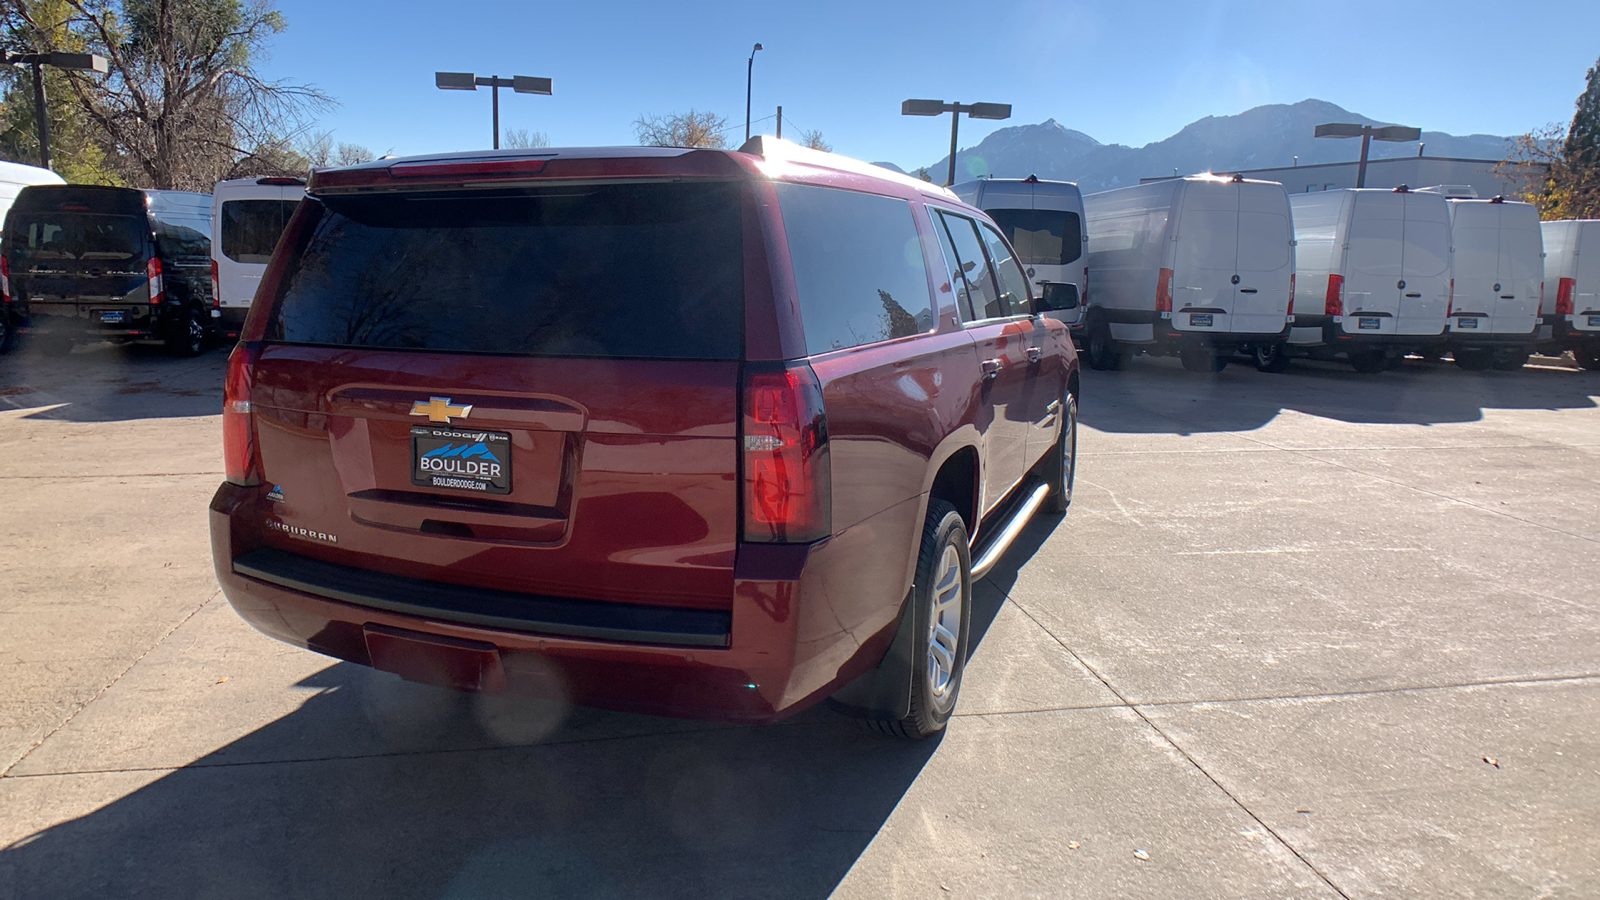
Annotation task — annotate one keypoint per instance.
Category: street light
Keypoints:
(466, 81)
(939, 107)
(82, 62)
(1394, 133)
(749, 70)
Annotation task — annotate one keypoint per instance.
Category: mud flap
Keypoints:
(884, 691)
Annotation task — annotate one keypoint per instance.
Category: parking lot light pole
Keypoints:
(939, 107)
(467, 81)
(83, 62)
(749, 73)
(1394, 133)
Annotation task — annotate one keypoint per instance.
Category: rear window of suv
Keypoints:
(651, 271)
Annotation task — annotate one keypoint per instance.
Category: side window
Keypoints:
(1014, 300)
(985, 298)
(858, 266)
(958, 279)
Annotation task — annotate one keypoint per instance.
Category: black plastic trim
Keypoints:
(507, 610)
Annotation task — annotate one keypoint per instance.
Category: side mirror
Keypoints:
(1057, 297)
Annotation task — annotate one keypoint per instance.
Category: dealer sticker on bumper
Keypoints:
(1202, 320)
(1370, 324)
(478, 461)
(1594, 320)
(1466, 323)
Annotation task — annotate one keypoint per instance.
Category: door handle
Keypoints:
(991, 368)
(1247, 290)
(1035, 354)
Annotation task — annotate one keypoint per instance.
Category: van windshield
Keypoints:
(39, 237)
(650, 271)
(1043, 237)
(250, 228)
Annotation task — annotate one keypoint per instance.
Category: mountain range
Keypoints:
(1265, 136)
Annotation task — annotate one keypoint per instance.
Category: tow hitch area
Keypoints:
(431, 659)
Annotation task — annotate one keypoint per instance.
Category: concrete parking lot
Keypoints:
(1316, 634)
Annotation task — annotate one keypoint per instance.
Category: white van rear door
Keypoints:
(1585, 268)
(250, 219)
(1521, 269)
(1425, 266)
(1374, 264)
(1264, 260)
(1203, 289)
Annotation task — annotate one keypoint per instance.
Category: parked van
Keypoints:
(1497, 272)
(1572, 288)
(85, 262)
(247, 216)
(1373, 268)
(1201, 266)
(1043, 220)
(705, 433)
(16, 176)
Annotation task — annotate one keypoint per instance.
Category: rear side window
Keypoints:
(858, 266)
(1013, 283)
(1043, 237)
(250, 228)
(981, 300)
(71, 236)
(650, 271)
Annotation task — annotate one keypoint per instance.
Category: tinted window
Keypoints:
(1043, 237)
(858, 266)
(638, 270)
(74, 236)
(250, 228)
(1013, 283)
(984, 298)
(958, 280)
(184, 237)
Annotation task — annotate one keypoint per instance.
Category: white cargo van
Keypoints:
(247, 215)
(1497, 268)
(1201, 267)
(1043, 220)
(16, 176)
(1374, 275)
(1572, 288)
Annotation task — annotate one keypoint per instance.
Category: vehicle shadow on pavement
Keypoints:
(1151, 396)
(108, 383)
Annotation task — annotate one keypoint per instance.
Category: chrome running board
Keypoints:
(1003, 541)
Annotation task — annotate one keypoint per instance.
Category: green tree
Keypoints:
(76, 152)
(1561, 165)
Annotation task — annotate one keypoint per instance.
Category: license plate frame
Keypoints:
(1594, 321)
(1200, 320)
(1467, 322)
(458, 459)
(112, 316)
(1369, 323)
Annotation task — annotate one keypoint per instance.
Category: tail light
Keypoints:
(240, 465)
(1565, 288)
(5, 280)
(158, 290)
(1291, 294)
(216, 285)
(1450, 308)
(1333, 305)
(787, 477)
(1164, 291)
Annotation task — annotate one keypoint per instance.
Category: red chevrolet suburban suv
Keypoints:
(704, 433)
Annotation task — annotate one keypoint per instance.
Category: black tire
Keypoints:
(1273, 358)
(189, 338)
(930, 706)
(1369, 362)
(1510, 360)
(1473, 360)
(1101, 349)
(1198, 358)
(1588, 357)
(1061, 469)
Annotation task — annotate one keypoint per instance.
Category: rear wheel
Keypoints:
(1197, 358)
(1272, 358)
(1511, 360)
(1101, 348)
(1062, 466)
(1473, 360)
(1369, 362)
(189, 338)
(940, 617)
(1588, 357)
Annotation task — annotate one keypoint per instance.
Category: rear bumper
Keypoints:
(758, 662)
(1564, 336)
(1171, 339)
(1469, 340)
(133, 321)
(1335, 336)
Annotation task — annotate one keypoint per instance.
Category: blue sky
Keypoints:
(1131, 71)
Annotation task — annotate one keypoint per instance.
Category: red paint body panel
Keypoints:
(625, 479)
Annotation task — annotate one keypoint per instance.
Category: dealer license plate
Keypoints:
(455, 459)
(1200, 320)
(113, 316)
(1594, 320)
(1371, 324)
(1466, 323)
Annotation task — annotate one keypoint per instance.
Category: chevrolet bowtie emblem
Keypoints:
(439, 409)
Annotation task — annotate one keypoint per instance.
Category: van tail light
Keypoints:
(1565, 288)
(1450, 308)
(1333, 304)
(158, 290)
(216, 286)
(787, 490)
(240, 463)
(5, 280)
(1291, 294)
(1164, 291)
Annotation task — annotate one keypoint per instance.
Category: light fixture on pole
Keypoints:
(82, 62)
(466, 81)
(749, 72)
(1368, 133)
(939, 107)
